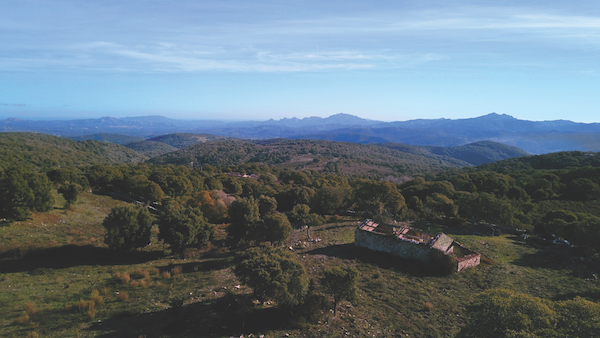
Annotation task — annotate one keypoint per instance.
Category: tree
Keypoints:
(377, 197)
(127, 227)
(243, 213)
(266, 205)
(70, 191)
(487, 207)
(274, 228)
(582, 189)
(578, 318)
(328, 200)
(273, 274)
(183, 227)
(293, 195)
(213, 207)
(301, 216)
(340, 283)
(438, 205)
(24, 191)
(506, 313)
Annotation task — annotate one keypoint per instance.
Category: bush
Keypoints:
(122, 296)
(30, 308)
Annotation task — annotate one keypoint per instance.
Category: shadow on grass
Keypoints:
(380, 259)
(554, 257)
(206, 265)
(230, 315)
(331, 227)
(593, 295)
(71, 255)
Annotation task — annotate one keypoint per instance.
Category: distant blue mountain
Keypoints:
(536, 137)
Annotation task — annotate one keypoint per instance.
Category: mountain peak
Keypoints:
(497, 116)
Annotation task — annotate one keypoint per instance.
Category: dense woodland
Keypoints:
(250, 198)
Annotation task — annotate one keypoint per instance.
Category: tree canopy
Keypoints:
(273, 274)
(183, 227)
(340, 283)
(127, 227)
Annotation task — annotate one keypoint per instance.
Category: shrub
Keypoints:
(95, 297)
(32, 334)
(23, 319)
(176, 270)
(139, 273)
(105, 292)
(91, 313)
(85, 304)
(427, 306)
(124, 277)
(166, 275)
(122, 296)
(30, 308)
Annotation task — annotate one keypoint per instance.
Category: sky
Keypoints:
(256, 60)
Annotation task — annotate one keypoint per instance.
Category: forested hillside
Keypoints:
(553, 195)
(561, 160)
(45, 151)
(256, 238)
(340, 157)
(480, 152)
(183, 140)
(112, 138)
(151, 148)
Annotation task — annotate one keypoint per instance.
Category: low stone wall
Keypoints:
(468, 258)
(468, 261)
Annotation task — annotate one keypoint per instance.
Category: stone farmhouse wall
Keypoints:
(392, 245)
(419, 249)
(468, 259)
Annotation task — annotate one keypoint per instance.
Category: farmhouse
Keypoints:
(410, 243)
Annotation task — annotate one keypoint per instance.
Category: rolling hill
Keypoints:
(45, 151)
(330, 156)
(112, 138)
(183, 140)
(151, 148)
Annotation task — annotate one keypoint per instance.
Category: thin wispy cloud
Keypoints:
(373, 40)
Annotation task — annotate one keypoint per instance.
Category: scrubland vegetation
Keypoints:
(168, 251)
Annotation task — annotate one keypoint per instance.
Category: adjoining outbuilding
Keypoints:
(410, 243)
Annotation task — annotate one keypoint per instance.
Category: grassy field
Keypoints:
(60, 280)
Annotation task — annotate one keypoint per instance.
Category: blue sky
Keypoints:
(230, 59)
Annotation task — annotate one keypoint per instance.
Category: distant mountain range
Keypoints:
(535, 137)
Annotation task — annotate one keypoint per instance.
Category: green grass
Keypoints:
(56, 259)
